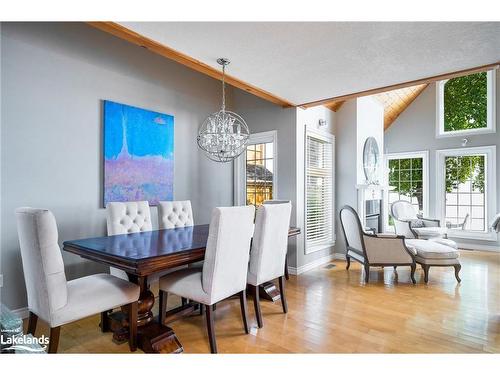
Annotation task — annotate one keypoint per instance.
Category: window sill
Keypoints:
(318, 247)
(461, 133)
(483, 236)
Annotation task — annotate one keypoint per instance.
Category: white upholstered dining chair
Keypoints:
(269, 248)
(50, 296)
(277, 201)
(224, 271)
(374, 249)
(175, 214)
(124, 218)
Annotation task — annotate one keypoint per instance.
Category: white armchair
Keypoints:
(374, 250)
(408, 224)
(56, 300)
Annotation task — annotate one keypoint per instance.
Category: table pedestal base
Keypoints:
(269, 291)
(151, 337)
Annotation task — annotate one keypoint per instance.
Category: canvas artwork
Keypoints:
(138, 154)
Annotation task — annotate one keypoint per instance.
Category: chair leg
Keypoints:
(282, 294)
(163, 306)
(287, 276)
(457, 267)
(367, 273)
(33, 319)
(412, 274)
(201, 309)
(256, 304)
(105, 321)
(132, 326)
(243, 305)
(54, 339)
(214, 307)
(211, 329)
(426, 272)
(348, 259)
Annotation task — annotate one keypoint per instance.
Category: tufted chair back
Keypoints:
(42, 261)
(124, 218)
(128, 217)
(175, 214)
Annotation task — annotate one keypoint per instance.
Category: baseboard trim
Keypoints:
(471, 246)
(339, 256)
(23, 312)
(309, 266)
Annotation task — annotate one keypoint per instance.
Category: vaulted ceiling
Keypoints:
(304, 63)
(394, 102)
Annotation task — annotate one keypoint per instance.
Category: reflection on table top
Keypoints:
(151, 244)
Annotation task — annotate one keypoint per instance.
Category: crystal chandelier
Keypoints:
(224, 134)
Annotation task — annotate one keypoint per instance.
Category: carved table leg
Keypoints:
(152, 336)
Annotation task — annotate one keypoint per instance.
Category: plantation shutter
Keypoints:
(319, 191)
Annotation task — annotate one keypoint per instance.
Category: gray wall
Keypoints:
(345, 165)
(264, 116)
(415, 130)
(53, 79)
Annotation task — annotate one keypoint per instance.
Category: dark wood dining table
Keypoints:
(142, 255)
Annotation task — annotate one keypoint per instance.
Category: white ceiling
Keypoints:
(305, 62)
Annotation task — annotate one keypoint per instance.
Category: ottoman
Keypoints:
(433, 254)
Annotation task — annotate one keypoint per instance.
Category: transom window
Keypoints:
(465, 105)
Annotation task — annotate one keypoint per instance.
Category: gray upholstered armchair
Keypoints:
(374, 250)
(408, 224)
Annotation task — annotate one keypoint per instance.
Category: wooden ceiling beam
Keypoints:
(124, 33)
(427, 80)
(335, 106)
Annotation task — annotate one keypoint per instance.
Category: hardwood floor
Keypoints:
(331, 310)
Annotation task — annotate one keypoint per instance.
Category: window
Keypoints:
(466, 191)
(319, 191)
(259, 173)
(255, 170)
(408, 180)
(466, 105)
(465, 196)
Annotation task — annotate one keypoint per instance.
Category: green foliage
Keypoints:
(460, 169)
(405, 175)
(465, 102)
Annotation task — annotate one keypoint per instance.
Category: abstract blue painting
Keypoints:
(138, 154)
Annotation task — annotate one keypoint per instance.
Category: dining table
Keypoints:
(145, 254)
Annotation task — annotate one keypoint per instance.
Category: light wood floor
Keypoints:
(331, 310)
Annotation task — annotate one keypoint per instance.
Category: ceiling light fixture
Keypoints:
(224, 134)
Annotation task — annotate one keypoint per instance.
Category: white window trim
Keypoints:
(239, 166)
(425, 175)
(490, 190)
(491, 117)
(328, 137)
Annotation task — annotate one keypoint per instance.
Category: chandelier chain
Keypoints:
(223, 88)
